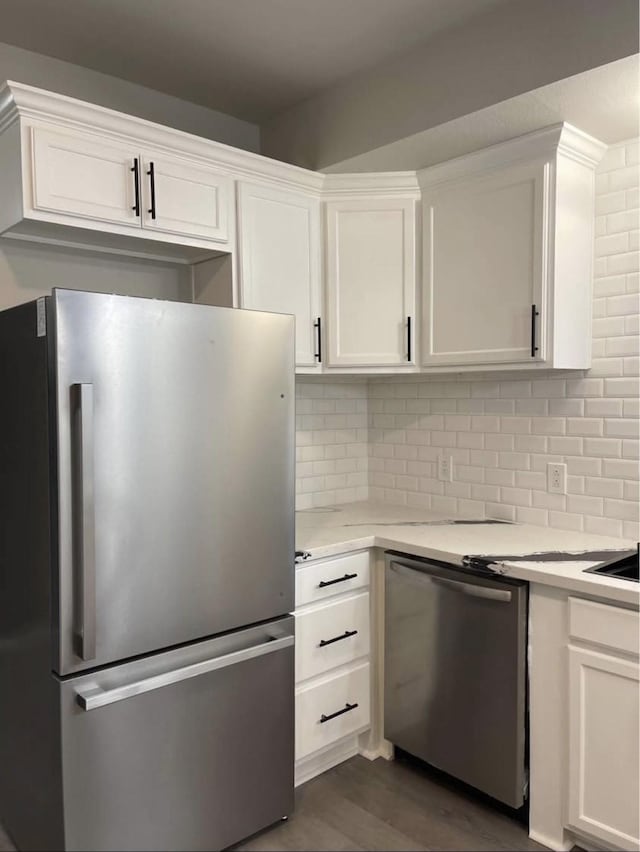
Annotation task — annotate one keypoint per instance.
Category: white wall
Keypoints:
(517, 46)
(29, 270)
(502, 432)
(25, 66)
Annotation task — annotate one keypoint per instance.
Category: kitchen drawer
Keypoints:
(332, 635)
(311, 579)
(332, 696)
(610, 626)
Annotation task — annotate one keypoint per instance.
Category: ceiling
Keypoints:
(248, 58)
(603, 102)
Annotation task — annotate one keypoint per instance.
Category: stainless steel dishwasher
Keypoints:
(455, 672)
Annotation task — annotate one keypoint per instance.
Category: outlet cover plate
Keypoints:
(445, 468)
(557, 478)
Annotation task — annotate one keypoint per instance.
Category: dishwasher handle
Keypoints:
(470, 589)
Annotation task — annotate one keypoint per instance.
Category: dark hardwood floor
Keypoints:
(387, 806)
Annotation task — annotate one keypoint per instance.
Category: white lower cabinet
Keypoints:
(604, 719)
(332, 709)
(333, 645)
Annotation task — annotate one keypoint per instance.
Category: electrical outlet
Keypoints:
(445, 468)
(556, 478)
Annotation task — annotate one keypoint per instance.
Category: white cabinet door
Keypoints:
(186, 198)
(371, 283)
(484, 255)
(83, 176)
(603, 746)
(280, 260)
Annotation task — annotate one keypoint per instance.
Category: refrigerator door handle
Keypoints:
(84, 520)
(93, 697)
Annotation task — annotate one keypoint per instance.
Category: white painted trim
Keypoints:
(366, 185)
(40, 105)
(538, 144)
(314, 764)
(560, 844)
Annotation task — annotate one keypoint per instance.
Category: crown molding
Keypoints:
(557, 138)
(37, 104)
(20, 101)
(378, 184)
(579, 146)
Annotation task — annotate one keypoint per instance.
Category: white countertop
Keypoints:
(331, 530)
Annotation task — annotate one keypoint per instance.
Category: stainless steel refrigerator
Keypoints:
(146, 572)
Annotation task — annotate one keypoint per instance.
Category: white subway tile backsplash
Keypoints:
(502, 432)
(610, 202)
(612, 244)
(603, 407)
(624, 178)
(614, 158)
(566, 521)
(600, 486)
(603, 526)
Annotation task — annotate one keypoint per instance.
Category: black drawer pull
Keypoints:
(534, 313)
(152, 186)
(346, 635)
(318, 326)
(136, 185)
(409, 339)
(324, 583)
(347, 707)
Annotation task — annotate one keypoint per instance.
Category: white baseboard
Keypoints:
(557, 844)
(387, 750)
(384, 749)
(319, 762)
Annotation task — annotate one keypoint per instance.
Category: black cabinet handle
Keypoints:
(347, 707)
(346, 635)
(324, 583)
(152, 184)
(408, 338)
(318, 355)
(534, 313)
(136, 184)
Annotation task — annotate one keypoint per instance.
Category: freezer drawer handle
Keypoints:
(346, 635)
(84, 526)
(470, 589)
(324, 583)
(347, 707)
(93, 697)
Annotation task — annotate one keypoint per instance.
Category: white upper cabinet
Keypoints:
(507, 254)
(84, 176)
(184, 197)
(506, 235)
(280, 260)
(370, 280)
(483, 268)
